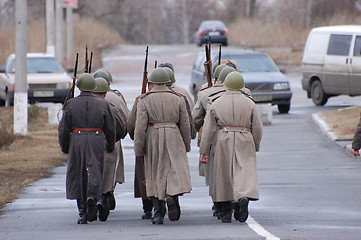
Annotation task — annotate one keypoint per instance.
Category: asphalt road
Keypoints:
(309, 185)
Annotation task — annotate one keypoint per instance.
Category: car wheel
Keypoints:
(284, 108)
(318, 96)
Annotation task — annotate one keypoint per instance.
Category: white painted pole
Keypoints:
(59, 46)
(69, 33)
(50, 33)
(21, 92)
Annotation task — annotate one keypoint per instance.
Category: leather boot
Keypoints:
(158, 206)
(111, 200)
(103, 207)
(82, 211)
(236, 213)
(147, 208)
(226, 212)
(243, 209)
(91, 214)
(173, 208)
(216, 209)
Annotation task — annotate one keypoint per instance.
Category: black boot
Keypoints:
(158, 206)
(216, 209)
(236, 213)
(82, 211)
(103, 207)
(226, 212)
(173, 208)
(147, 208)
(91, 214)
(243, 209)
(111, 200)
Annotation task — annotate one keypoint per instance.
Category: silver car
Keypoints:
(47, 80)
(266, 82)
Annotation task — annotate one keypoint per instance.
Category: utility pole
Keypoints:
(69, 33)
(59, 46)
(50, 42)
(21, 92)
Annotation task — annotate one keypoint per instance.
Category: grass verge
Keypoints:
(28, 158)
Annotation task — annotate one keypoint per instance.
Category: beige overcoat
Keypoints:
(162, 136)
(113, 171)
(235, 167)
(198, 115)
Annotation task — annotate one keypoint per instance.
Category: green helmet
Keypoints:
(170, 74)
(102, 85)
(224, 72)
(218, 69)
(234, 81)
(86, 82)
(159, 75)
(103, 73)
(214, 67)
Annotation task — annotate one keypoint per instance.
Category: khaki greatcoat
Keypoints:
(163, 145)
(113, 171)
(139, 174)
(235, 167)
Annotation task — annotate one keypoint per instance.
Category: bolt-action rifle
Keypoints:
(219, 54)
(145, 73)
(208, 63)
(71, 91)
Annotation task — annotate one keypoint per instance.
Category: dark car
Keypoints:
(215, 31)
(261, 75)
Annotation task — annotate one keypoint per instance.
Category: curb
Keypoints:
(323, 126)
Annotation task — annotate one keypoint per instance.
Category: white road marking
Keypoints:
(260, 230)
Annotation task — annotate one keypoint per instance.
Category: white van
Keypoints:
(332, 62)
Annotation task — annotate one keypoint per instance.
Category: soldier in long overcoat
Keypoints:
(199, 113)
(162, 136)
(234, 121)
(85, 130)
(113, 162)
(356, 142)
(139, 172)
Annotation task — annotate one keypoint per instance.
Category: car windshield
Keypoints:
(211, 24)
(42, 65)
(253, 63)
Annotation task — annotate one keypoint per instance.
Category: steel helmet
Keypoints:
(234, 81)
(224, 72)
(101, 85)
(170, 74)
(218, 69)
(159, 75)
(86, 82)
(103, 73)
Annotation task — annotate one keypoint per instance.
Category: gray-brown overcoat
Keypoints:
(114, 161)
(139, 174)
(235, 167)
(86, 149)
(198, 114)
(162, 136)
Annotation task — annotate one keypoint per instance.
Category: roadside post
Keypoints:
(21, 92)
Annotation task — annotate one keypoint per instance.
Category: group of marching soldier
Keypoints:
(162, 123)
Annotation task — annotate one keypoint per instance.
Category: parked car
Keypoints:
(332, 63)
(216, 31)
(47, 80)
(261, 75)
